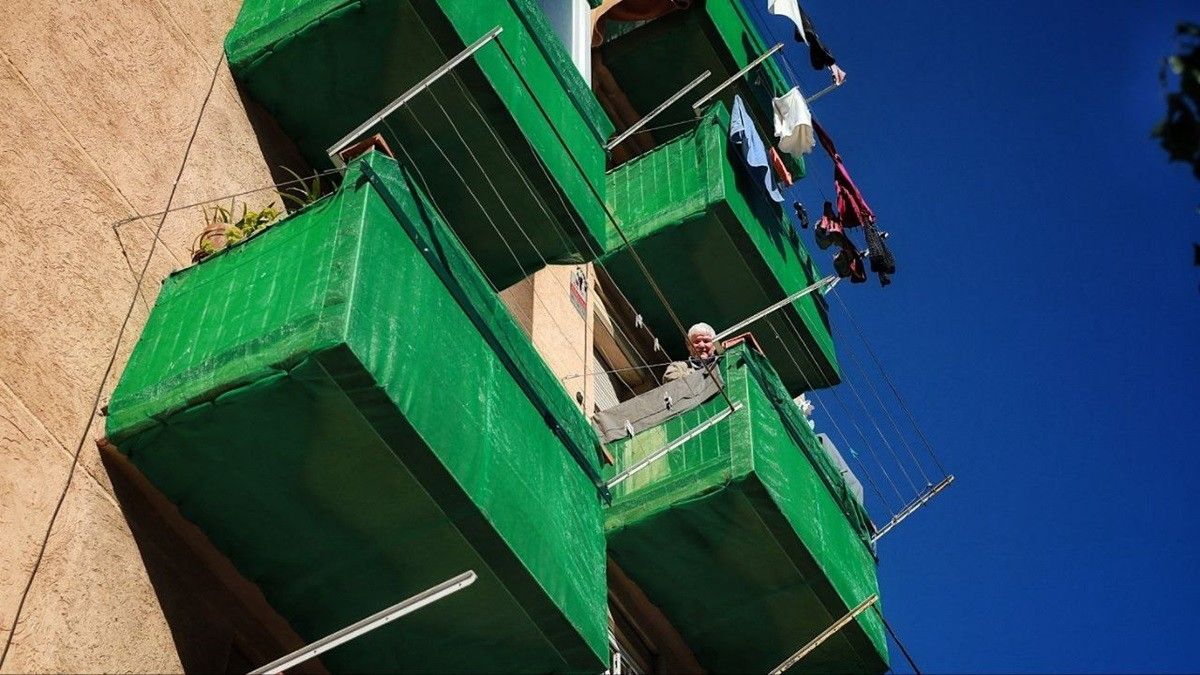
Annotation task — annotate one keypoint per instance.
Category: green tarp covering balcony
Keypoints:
(719, 249)
(746, 536)
(350, 415)
(322, 67)
(657, 59)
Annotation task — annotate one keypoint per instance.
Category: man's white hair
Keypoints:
(701, 329)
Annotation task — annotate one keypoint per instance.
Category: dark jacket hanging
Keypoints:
(818, 54)
(850, 202)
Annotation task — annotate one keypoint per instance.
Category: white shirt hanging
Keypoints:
(790, 9)
(793, 123)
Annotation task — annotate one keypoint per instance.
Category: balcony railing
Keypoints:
(513, 134)
(651, 61)
(718, 249)
(347, 411)
(745, 535)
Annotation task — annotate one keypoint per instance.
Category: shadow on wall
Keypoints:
(220, 622)
(277, 149)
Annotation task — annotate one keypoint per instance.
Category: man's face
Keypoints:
(701, 345)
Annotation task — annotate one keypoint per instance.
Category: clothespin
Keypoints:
(629, 428)
(638, 322)
(657, 346)
(667, 400)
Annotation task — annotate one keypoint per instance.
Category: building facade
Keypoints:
(342, 405)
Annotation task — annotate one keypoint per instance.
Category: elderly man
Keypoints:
(701, 340)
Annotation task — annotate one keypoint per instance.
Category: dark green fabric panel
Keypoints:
(572, 80)
(705, 464)
(659, 58)
(486, 128)
(261, 24)
(719, 250)
(747, 524)
(384, 450)
(740, 36)
(724, 581)
(287, 479)
(471, 385)
(783, 417)
(399, 191)
(734, 443)
(208, 334)
(815, 502)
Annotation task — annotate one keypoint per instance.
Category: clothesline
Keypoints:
(613, 371)
(538, 199)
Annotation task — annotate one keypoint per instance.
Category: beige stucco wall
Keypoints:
(560, 332)
(98, 99)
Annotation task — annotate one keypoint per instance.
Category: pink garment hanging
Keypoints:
(829, 231)
(851, 205)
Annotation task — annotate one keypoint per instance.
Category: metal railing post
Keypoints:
(369, 624)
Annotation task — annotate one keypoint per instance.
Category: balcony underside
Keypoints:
(323, 67)
(296, 398)
(719, 250)
(653, 61)
(745, 537)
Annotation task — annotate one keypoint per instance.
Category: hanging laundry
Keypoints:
(793, 123)
(791, 10)
(829, 231)
(801, 214)
(818, 55)
(781, 172)
(743, 134)
(850, 203)
(849, 263)
(882, 261)
(852, 211)
(631, 10)
(801, 220)
(826, 233)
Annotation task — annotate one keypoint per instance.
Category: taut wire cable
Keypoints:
(891, 385)
(109, 365)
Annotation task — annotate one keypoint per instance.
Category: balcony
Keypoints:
(321, 67)
(719, 249)
(652, 61)
(350, 415)
(746, 536)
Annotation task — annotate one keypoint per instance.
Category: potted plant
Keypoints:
(223, 229)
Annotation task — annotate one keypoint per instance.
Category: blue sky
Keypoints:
(1042, 325)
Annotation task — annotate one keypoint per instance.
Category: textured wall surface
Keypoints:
(98, 99)
(542, 306)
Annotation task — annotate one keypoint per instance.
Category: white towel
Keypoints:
(790, 9)
(793, 123)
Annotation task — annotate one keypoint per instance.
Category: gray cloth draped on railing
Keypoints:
(657, 405)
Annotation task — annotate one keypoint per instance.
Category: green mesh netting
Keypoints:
(719, 250)
(523, 135)
(350, 414)
(746, 536)
(660, 57)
